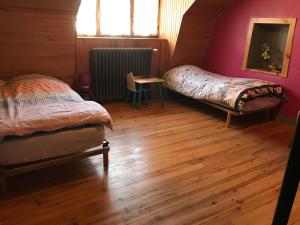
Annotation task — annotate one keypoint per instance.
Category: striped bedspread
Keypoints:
(33, 103)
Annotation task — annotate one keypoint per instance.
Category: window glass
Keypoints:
(115, 17)
(86, 17)
(145, 17)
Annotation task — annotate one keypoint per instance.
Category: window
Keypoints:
(145, 17)
(86, 18)
(115, 20)
(118, 17)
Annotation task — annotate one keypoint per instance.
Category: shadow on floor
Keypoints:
(54, 177)
(238, 122)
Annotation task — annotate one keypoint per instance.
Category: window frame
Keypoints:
(132, 35)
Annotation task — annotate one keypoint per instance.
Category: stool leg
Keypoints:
(160, 94)
(140, 95)
(146, 97)
(127, 96)
(134, 97)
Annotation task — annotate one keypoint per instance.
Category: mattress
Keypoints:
(45, 145)
(34, 103)
(238, 94)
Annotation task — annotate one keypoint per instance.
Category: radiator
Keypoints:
(110, 66)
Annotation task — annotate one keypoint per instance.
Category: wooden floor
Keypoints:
(172, 165)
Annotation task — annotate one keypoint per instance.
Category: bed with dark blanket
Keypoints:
(235, 95)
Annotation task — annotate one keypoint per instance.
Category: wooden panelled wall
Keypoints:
(196, 31)
(158, 61)
(38, 36)
(171, 13)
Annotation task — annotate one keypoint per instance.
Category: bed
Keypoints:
(43, 122)
(236, 96)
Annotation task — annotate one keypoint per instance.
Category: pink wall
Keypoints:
(226, 51)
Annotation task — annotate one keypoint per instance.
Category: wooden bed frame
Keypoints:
(7, 171)
(230, 112)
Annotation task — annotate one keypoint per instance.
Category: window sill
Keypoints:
(117, 37)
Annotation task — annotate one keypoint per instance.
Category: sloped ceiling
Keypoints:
(70, 6)
(196, 31)
(38, 36)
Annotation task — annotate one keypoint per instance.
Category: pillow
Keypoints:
(32, 89)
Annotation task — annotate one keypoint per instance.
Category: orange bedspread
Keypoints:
(33, 103)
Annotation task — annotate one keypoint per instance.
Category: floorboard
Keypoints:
(173, 165)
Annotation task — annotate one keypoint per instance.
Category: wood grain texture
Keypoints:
(70, 6)
(196, 31)
(171, 13)
(173, 165)
(38, 38)
(159, 60)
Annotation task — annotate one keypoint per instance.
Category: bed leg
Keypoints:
(3, 182)
(268, 114)
(105, 155)
(228, 120)
(105, 160)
